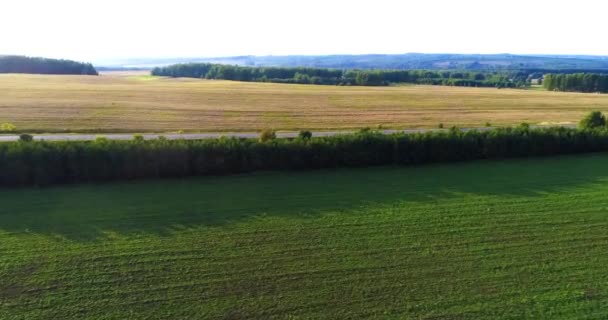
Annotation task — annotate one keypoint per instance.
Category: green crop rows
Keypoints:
(493, 239)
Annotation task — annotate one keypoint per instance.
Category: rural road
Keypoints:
(211, 135)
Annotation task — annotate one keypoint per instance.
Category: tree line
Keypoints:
(43, 163)
(419, 61)
(22, 64)
(577, 82)
(339, 77)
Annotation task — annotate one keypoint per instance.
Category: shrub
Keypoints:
(101, 139)
(440, 126)
(593, 120)
(7, 127)
(26, 137)
(305, 135)
(488, 124)
(138, 138)
(267, 135)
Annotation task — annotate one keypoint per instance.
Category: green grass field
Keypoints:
(123, 102)
(482, 240)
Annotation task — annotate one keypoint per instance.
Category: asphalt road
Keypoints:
(211, 135)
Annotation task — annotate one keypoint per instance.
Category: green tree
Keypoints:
(267, 135)
(593, 120)
(305, 135)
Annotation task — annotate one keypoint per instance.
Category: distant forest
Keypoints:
(21, 64)
(577, 82)
(343, 77)
(418, 61)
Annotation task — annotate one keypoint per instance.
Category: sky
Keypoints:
(101, 30)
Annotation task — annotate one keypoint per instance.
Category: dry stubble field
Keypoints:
(135, 103)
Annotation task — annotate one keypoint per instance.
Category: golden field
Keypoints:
(137, 103)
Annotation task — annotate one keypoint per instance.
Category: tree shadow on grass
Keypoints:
(87, 212)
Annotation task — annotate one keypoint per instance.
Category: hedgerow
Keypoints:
(45, 163)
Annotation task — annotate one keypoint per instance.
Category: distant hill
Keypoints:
(409, 61)
(22, 64)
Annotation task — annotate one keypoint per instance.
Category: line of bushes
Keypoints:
(44, 163)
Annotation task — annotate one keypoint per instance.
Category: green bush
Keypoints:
(138, 137)
(7, 127)
(593, 120)
(101, 139)
(305, 135)
(267, 135)
(26, 137)
(440, 126)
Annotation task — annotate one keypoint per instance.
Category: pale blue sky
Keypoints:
(95, 30)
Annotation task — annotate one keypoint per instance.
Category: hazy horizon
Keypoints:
(114, 30)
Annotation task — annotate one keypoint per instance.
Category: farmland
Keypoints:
(128, 103)
(492, 239)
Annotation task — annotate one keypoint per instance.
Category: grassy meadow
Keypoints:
(510, 239)
(124, 102)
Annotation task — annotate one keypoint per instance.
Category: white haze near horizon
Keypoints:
(97, 31)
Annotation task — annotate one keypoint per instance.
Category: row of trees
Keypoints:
(21, 64)
(336, 76)
(577, 82)
(43, 163)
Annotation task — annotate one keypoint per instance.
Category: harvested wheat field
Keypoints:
(136, 103)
